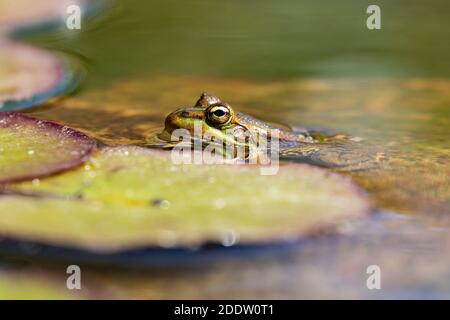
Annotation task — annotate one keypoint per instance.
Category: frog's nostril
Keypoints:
(185, 114)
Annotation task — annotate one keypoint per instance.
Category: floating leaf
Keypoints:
(30, 76)
(32, 148)
(131, 197)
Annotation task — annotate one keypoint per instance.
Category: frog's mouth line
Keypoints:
(228, 148)
(165, 136)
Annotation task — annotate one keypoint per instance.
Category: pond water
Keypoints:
(305, 64)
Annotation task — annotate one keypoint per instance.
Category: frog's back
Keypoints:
(252, 122)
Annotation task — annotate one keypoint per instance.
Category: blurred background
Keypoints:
(261, 40)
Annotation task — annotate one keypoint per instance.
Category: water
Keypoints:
(260, 40)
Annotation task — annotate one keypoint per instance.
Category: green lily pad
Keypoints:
(129, 197)
(31, 76)
(32, 148)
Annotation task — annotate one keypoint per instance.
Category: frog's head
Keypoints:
(216, 119)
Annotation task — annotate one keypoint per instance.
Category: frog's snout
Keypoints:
(182, 118)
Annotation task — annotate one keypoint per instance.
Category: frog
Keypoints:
(222, 124)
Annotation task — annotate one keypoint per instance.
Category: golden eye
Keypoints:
(219, 114)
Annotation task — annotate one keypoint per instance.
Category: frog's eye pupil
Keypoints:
(219, 113)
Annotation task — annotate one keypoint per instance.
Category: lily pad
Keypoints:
(31, 76)
(32, 148)
(132, 197)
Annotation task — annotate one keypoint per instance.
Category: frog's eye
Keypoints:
(219, 114)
